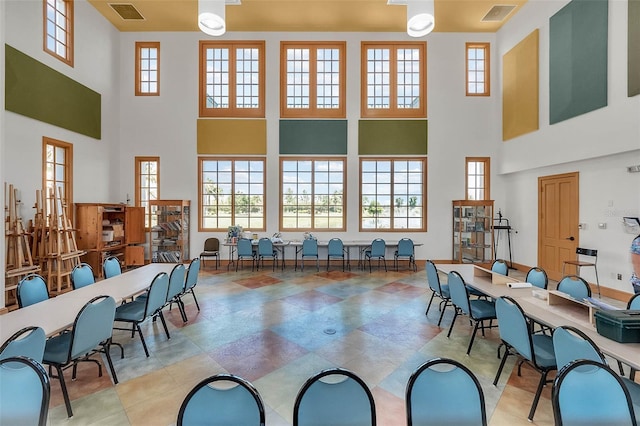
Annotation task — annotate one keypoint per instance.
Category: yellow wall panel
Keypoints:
(520, 81)
(232, 136)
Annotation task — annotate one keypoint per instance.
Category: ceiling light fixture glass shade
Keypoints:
(211, 17)
(420, 17)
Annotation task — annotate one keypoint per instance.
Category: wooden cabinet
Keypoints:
(169, 233)
(473, 231)
(105, 230)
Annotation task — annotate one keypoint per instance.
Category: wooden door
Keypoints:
(557, 222)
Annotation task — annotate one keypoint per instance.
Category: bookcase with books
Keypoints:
(473, 231)
(169, 232)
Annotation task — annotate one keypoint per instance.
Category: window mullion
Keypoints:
(313, 83)
(393, 80)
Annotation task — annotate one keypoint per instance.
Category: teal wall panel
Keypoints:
(578, 36)
(392, 137)
(37, 91)
(313, 137)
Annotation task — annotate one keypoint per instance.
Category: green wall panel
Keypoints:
(634, 48)
(35, 90)
(578, 36)
(316, 137)
(392, 137)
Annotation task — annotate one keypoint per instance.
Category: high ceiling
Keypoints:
(307, 15)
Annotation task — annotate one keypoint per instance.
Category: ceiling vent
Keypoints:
(498, 12)
(127, 11)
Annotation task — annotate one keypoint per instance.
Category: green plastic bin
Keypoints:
(622, 326)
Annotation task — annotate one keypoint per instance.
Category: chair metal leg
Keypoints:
(106, 347)
(144, 344)
(543, 380)
(433, 293)
(499, 372)
(455, 315)
(442, 312)
(164, 324)
(65, 393)
(473, 336)
(195, 299)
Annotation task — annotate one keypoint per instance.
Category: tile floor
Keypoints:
(278, 328)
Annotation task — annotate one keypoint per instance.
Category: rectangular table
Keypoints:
(232, 249)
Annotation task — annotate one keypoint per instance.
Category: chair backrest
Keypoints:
(378, 248)
(29, 405)
(570, 344)
(500, 266)
(28, 342)
(575, 287)
(513, 326)
(176, 282)
(634, 302)
(537, 277)
(157, 294)
(587, 392)
(192, 274)
(433, 279)
(111, 267)
(335, 248)
(32, 289)
(265, 247)
(334, 397)
(581, 251)
(458, 292)
(405, 247)
(93, 325)
(444, 392)
(222, 400)
(212, 244)
(310, 247)
(82, 275)
(244, 247)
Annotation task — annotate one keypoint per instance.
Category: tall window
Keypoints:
(477, 178)
(312, 194)
(312, 79)
(232, 192)
(477, 69)
(393, 194)
(57, 172)
(232, 79)
(147, 68)
(147, 185)
(394, 82)
(58, 29)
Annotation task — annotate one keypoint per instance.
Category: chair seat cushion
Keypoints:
(482, 309)
(209, 253)
(132, 311)
(56, 350)
(543, 349)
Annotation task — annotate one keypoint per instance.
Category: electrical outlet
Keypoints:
(620, 277)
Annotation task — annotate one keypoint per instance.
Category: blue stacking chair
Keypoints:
(28, 342)
(244, 250)
(437, 289)
(335, 250)
(111, 267)
(334, 397)
(31, 289)
(538, 277)
(266, 251)
(377, 250)
(444, 392)
(210, 404)
(24, 392)
(176, 287)
(82, 275)
(91, 333)
(575, 287)
(405, 251)
(310, 249)
(588, 392)
(520, 341)
(190, 284)
(478, 310)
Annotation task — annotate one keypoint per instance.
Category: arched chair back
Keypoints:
(334, 397)
(24, 392)
(437, 289)
(405, 250)
(32, 289)
(211, 249)
(537, 277)
(377, 250)
(310, 249)
(335, 250)
(575, 287)
(176, 287)
(244, 250)
(222, 400)
(444, 391)
(458, 292)
(111, 267)
(570, 344)
(82, 275)
(28, 342)
(634, 302)
(266, 251)
(587, 392)
(500, 266)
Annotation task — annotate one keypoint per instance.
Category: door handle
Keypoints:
(570, 238)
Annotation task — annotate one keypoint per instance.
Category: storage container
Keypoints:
(107, 236)
(622, 326)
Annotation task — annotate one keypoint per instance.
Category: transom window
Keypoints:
(477, 69)
(312, 79)
(147, 68)
(393, 194)
(477, 178)
(58, 29)
(232, 79)
(232, 192)
(394, 80)
(57, 173)
(147, 185)
(313, 194)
